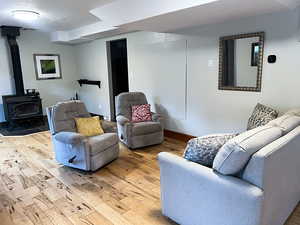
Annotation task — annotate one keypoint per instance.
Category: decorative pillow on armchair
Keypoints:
(89, 126)
(261, 116)
(141, 113)
(203, 150)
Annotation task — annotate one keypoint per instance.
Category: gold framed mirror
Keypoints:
(241, 62)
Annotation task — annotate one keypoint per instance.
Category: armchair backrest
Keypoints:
(125, 101)
(61, 116)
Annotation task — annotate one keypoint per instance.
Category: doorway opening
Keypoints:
(117, 70)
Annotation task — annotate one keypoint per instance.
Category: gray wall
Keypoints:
(31, 42)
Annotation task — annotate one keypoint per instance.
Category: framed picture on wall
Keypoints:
(47, 66)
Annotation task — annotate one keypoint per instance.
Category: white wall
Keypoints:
(51, 91)
(214, 110)
(184, 81)
(149, 70)
(92, 64)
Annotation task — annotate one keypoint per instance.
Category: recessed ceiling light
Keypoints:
(25, 15)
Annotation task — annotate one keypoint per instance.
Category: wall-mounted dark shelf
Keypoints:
(89, 82)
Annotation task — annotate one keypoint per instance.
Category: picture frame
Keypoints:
(47, 66)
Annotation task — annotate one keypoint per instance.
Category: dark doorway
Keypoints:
(118, 71)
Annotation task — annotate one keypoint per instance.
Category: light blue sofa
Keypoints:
(264, 193)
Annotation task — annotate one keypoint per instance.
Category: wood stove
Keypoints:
(21, 106)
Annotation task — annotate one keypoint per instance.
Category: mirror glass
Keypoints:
(241, 59)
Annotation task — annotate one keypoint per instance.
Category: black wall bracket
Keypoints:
(89, 82)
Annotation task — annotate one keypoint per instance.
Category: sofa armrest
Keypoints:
(69, 137)
(194, 194)
(122, 120)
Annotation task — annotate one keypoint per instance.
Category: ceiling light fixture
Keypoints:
(25, 15)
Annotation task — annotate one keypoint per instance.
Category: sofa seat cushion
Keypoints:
(261, 116)
(143, 128)
(286, 122)
(235, 154)
(101, 142)
(203, 149)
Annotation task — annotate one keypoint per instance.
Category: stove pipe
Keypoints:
(11, 33)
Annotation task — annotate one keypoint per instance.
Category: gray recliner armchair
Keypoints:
(136, 135)
(73, 149)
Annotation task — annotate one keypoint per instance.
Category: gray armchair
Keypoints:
(136, 135)
(73, 149)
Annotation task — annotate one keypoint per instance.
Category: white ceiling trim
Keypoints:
(121, 12)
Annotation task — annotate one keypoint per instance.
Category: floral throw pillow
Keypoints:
(141, 113)
(203, 150)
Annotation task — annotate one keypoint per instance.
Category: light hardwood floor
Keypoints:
(34, 189)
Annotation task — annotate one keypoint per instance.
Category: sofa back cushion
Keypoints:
(235, 154)
(286, 122)
(295, 112)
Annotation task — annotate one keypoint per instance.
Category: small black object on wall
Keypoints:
(271, 58)
(89, 82)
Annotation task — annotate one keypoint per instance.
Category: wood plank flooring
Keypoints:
(35, 190)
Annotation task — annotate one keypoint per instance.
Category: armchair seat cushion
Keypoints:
(101, 142)
(144, 128)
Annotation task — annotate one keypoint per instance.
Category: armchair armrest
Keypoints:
(122, 120)
(156, 117)
(108, 126)
(194, 194)
(69, 137)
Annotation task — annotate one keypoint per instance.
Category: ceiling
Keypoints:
(74, 21)
(55, 14)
